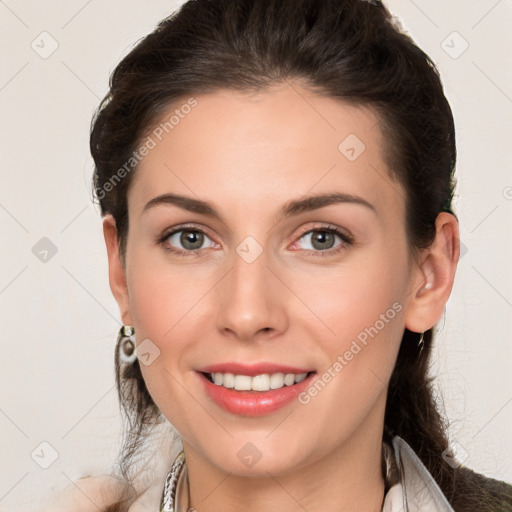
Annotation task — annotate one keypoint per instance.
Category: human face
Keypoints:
(258, 288)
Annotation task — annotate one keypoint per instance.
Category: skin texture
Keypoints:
(248, 155)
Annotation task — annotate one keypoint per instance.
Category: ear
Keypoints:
(116, 269)
(432, 277)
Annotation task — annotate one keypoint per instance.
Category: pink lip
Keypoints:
(252, 369)
(253, 403)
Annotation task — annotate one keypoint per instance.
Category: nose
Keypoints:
(251, 301)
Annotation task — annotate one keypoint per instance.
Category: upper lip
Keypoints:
(252, 369)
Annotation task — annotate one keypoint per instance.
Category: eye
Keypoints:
(323, 239)
(185, 240)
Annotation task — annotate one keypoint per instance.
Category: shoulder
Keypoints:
(463, 491)
(495, 494)
(107, 493)
(91, 494)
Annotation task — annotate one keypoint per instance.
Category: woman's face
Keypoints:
(265, 286)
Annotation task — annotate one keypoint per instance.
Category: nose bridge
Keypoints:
(249, 302)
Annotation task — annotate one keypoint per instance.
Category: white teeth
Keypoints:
(263, 382)
(228, 380)
(289, 379)
(276, 380)
(260, 382)
(300, 377)
(243, 382)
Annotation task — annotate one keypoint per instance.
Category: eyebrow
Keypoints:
(292, 207)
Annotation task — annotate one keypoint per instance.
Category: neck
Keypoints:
(346, 479)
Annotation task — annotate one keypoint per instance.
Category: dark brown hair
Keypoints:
(350, 50)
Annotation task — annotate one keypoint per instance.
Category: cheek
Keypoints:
(358, 359)
(162, 297)
(165, 306)
(167, 303)
(362, 294)
(358, 326)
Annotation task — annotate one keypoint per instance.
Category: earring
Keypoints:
(126, 342)
(421, 343)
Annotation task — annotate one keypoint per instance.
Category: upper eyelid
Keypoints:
(326, 227)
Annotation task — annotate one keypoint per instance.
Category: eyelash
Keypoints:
(346, 239)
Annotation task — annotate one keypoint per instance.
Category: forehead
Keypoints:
(238, 149)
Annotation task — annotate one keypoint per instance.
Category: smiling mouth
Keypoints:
(258, 383)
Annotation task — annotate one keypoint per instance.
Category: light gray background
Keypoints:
(58, 318)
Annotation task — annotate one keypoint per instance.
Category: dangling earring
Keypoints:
(421, 343)
(126, 343)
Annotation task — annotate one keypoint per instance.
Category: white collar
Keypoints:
(417, 490)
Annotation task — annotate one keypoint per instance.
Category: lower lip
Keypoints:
(253, 403)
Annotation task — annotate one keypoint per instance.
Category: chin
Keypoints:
(255, 456)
